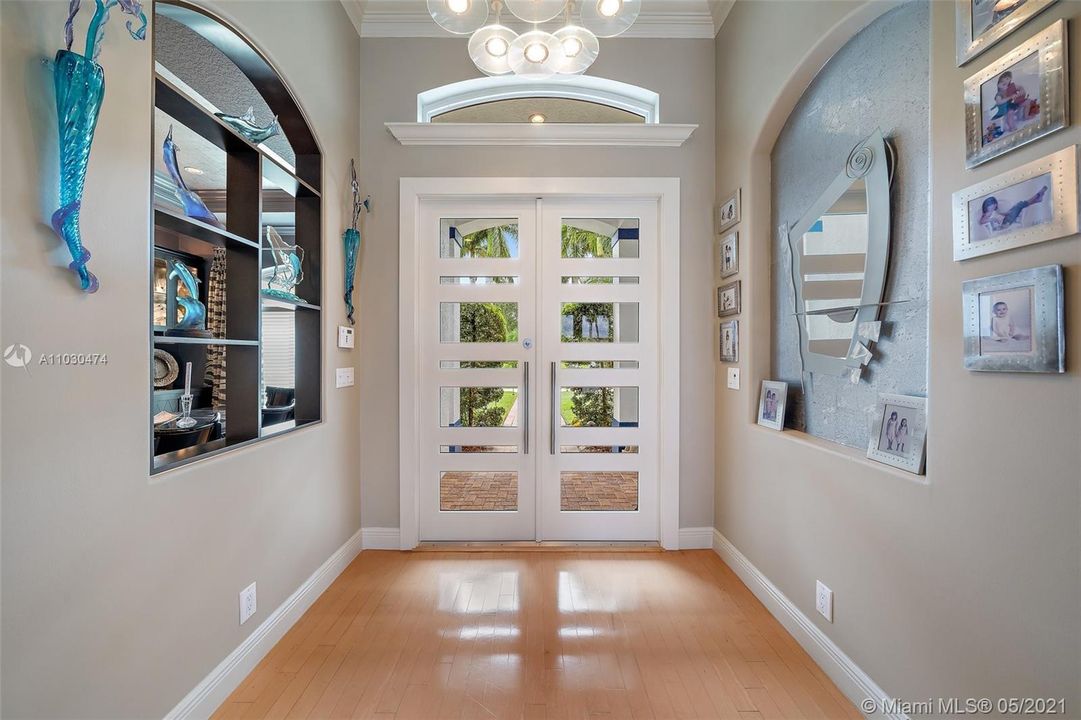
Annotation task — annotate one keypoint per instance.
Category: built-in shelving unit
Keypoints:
(259, 373)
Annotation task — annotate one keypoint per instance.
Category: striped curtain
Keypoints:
(215, 323)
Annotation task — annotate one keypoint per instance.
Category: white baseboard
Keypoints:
(850, 679)
(695, 538)
(205, 698)
(380, 538)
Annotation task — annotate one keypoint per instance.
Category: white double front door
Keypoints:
(537, 369)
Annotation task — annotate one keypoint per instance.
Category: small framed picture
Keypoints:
(730, 341)
(728, 301)
(1029, 204)
(771, 404)
(729, 254)
(982, 23)
(1015, 322)
(728, 212)
(1018, 98)
(899, 432)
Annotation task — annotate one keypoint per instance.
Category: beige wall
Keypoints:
(120, 592)
(967, 586)
(393, 71)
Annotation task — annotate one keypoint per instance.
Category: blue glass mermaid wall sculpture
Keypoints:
(80, 89)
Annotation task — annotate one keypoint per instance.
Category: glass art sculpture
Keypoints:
(80, 88)
(351, 241)
(245, 125)
(282, 277)
(194, 207)
(194, 320)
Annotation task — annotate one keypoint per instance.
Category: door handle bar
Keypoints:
(525, 406)
(555, 408)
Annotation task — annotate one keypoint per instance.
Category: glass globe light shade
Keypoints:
(489, 48)
(608, 18)
(535, 54)
(535, 11)
(578, 49)
(460, 17)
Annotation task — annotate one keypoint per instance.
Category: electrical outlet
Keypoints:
(733, 378)
(824, 600)
(345, 337)
(343, 377)
(248, 604)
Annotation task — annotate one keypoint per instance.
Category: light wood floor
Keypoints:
(537, 635)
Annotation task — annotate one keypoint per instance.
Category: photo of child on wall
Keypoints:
(1026, 204)
(1007, 101)
(896, 430)
(1006, 321)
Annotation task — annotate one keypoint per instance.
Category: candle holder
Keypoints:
(186, 420)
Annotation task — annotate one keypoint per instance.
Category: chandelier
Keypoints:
(498, 50)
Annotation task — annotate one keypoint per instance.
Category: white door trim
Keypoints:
(666, 191)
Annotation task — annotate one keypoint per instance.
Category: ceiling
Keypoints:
(658, 19)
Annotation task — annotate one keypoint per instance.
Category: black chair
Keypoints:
(280, 405)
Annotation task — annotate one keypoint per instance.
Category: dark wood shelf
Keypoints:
(276, 302)
(174, 340)
(198, 229)
(186, 110)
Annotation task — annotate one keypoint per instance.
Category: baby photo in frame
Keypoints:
(771, 404)
(728, 299)
(1018, 98)
(729, 341)
(1029, 204)
(1015, 322)
(729, 254)
(899, 432)
(728, 212)
(982, 23)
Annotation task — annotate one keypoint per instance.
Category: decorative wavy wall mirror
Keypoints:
(840, 254)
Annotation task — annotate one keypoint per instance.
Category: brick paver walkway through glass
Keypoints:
(492, 491)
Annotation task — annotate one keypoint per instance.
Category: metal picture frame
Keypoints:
(728, 254)
(971, 42)
(771, 409)
(734, 308)
(732, 354)
(896, 444)
(1007, 223)
(728, 212)
(1029, 335)
(1052, 106)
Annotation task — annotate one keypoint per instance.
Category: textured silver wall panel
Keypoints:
(879, 79)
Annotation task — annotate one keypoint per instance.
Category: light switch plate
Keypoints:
(343, 377)
(733, 378)
(345, 336)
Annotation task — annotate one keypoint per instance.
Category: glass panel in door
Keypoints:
(478, 289)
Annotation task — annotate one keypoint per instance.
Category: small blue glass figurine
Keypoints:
(80, 90)
(194, 320)
(194, 207)
(245, 125)
(282, 277)
(351, 241)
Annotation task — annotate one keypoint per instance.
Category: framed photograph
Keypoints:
(728, 302)
(899, 432)
(982, 23)
(728, 212)
(729, 254)
(730, 341)
(1029, 204)
(1014, 322)
(1018, 98)
(771, 404)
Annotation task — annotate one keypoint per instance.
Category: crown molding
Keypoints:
(400, 20)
